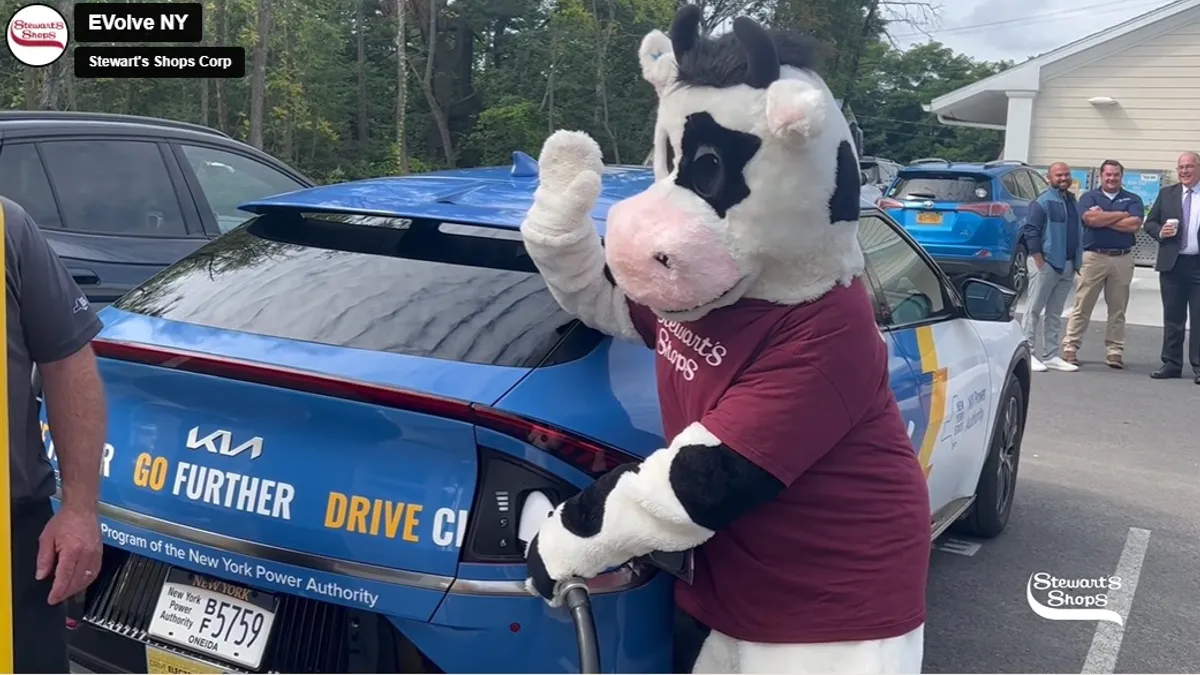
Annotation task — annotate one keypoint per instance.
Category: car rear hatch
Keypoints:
(942, 207)
(296, 405)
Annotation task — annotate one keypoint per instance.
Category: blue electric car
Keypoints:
(324, 426)
(968, 215)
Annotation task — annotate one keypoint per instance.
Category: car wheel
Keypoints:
(1018, 274)
(998, 480)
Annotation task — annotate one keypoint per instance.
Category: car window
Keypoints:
(943, 187)
(114, 187)
(229, 179)
(1040, 184)
(912, 290)
(23, 180)
(397, 285)
(1027, 189)
(1009, 181)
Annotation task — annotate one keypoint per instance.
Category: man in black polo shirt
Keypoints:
(55, 554)
(1111, 218)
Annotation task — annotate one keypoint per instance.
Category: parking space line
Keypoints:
(1106, 643)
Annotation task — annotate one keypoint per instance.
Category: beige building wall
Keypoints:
(1157, 88)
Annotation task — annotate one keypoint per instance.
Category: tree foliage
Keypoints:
(345, 89)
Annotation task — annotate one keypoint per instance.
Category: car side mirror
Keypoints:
(987, 301)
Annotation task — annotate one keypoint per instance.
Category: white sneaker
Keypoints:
(1038, 366)
(1057, 363)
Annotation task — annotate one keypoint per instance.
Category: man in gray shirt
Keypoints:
(55, 555)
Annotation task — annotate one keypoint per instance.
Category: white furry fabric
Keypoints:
(902, 654)
(641, 515)
(561, 237)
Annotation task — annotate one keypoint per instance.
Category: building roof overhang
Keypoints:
(984, 103)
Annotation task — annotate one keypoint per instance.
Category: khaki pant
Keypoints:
(1113, 275)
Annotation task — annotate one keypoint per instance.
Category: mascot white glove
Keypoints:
(561, 237)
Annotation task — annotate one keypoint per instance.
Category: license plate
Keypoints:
(214, 618)
(162, 661)
(928, 218)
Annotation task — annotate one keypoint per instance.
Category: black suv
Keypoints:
(120, 197)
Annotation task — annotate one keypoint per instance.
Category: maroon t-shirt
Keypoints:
(801, 391)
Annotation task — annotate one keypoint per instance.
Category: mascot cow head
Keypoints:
(756, 191)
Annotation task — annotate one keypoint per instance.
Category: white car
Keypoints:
(961, 374)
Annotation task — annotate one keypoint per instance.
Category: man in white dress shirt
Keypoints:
(1174, 221)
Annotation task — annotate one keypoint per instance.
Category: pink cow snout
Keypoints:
(664, 258)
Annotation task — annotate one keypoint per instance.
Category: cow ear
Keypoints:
(796, 109)
(657, 59)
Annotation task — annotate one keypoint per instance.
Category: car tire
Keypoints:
(997, 484)
(1018, 271)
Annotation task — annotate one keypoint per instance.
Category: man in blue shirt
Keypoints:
(1052, 236)
(1112, 216)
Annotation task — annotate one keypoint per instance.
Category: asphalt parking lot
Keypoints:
(1109, 484)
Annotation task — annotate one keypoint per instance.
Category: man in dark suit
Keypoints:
(1174, 221)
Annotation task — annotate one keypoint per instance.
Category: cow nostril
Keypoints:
(663, 259)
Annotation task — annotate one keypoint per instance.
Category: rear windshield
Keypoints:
(426, 288)
(950, 187)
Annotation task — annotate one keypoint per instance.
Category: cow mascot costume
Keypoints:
(788, 469)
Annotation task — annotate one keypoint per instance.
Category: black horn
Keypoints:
(762, 60)
(685, 30)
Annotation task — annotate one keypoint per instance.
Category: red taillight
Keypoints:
(886, 203)
(591, 457)
(989, 209)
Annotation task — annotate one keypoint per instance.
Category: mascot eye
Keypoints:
(706, 173)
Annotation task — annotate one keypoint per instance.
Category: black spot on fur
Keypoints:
(716, 485)
(609, 275)
(723, 62)
(690, 636)
(847, 190)
(583, 514)
(712, 161)
(670, 149)
(535, 567)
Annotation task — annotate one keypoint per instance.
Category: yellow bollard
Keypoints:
(6, 570)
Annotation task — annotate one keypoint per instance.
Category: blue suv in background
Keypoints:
(968, 216)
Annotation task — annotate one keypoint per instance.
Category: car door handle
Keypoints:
(84, 277)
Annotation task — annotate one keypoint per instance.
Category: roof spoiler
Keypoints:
(523, 166)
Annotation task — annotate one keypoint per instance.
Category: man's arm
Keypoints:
(1153, 224)
(59, 326)
(1131, 217)
(1101, 219)
(1128, 224)
(1095, 217)
(75, 410)
(1035, 226)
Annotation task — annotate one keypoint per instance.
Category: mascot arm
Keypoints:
(562, 240)
(780, 417)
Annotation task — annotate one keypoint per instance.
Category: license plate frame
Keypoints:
(160, 660)
(188, 606)
(929, 218)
